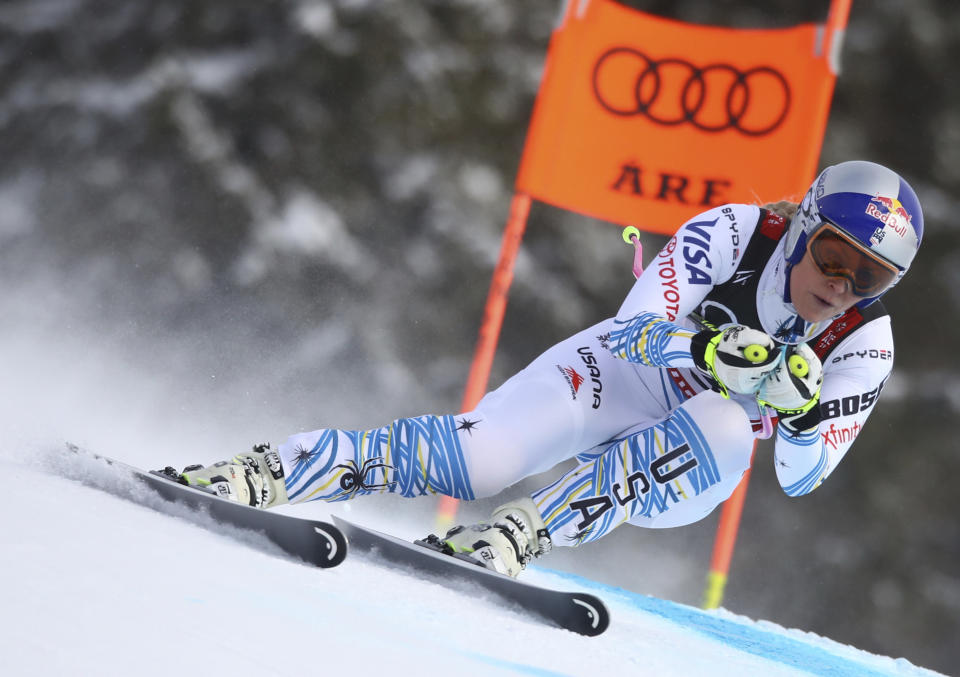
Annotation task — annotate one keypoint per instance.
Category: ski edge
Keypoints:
(287, 532)
(579, 612)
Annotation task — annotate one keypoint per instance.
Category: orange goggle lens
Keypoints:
(836, 255)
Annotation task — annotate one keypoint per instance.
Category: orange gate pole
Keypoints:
(490, 327)
(725, 541)
(733, 507)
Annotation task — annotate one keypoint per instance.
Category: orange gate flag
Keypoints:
(648, 121)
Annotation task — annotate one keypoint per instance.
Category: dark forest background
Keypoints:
(305, 199)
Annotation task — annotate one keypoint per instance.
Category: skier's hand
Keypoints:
(793, 387)
(738, 358)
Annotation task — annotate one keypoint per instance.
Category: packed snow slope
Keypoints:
(99, 584)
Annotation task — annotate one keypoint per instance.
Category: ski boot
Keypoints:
(515, 535)
(254, 478)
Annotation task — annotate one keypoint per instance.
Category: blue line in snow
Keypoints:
(514, 667)
(765, 644)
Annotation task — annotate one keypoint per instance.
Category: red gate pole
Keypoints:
(490, 327)
(733, 507)
(725, 541)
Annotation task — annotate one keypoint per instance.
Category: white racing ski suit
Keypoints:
(656, 446)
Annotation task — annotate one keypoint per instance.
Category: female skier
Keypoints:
(745, 316)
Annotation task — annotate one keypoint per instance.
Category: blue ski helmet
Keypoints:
(871, 205)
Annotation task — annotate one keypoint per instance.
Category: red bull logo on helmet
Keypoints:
(890, 212)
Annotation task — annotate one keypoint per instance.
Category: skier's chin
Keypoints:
(816, 308)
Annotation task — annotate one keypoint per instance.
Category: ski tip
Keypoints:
(593, 617)
(334, 544)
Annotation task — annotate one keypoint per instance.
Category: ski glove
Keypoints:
(738, 358)
(793, 389)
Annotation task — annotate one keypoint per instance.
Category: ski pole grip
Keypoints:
(631, 235)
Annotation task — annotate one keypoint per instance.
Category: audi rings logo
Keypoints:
(713, 98)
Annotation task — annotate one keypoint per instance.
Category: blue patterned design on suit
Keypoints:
(645, 339)
(640, 475)
(308, 468)
(812, 479)
(411, 457)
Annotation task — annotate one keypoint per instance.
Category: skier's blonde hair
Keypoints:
(783, 208)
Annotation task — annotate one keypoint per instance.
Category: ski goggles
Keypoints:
(837, 255)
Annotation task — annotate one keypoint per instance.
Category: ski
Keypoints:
(319, 543)
(575, 611)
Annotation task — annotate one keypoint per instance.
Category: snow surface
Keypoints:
(97, 584)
